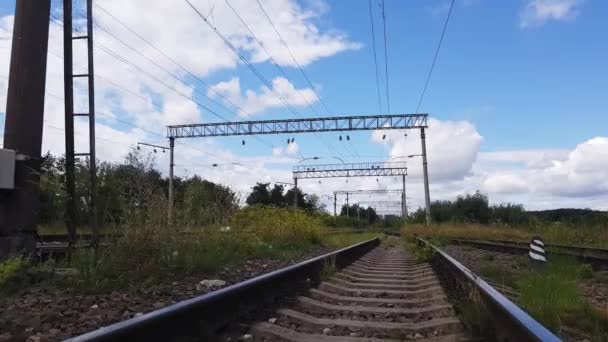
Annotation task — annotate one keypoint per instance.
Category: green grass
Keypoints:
(329, 269)
(551, 295)
(150, 252)
(340, 240)
(551, 233)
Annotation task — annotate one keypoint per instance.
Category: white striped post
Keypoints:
(537, 251)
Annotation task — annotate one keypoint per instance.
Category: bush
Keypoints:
(154, 250)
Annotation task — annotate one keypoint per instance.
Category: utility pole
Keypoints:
(347, 206)
(68, 87)
(427, 197)
(23, 126)
(335, 203)
(171, 166)
(91, 115)
(295, 193)
(403, 201)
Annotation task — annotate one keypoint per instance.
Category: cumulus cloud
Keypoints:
(537, 12)
(251, 102)
(291, 150)
(452, 148)
(153, 91)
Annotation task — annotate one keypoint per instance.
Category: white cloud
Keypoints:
(537, 12)
(251, 102)
(291, 150)
(452, 147)
(193, 45)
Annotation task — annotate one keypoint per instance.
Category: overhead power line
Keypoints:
(138, 68)
(445, 26)
(293, 57)
(388, 100)
(272, 60)
(179, 65)
(281, 70)
(244, 60)
(371, 18)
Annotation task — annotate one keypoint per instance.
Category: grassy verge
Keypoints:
(551, 295)
(552, 233)
(340, 240)
(154, 251)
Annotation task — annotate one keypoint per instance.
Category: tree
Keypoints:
(473, 208)
(276, 196)
(259, 195)
(300, 195)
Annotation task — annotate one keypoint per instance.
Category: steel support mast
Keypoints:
(70, 153)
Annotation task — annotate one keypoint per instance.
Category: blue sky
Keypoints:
(518, 95)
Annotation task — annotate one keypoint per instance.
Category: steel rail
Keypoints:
(517, 325)
(212, 310)
(597, 257)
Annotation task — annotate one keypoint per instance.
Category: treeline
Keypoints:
(262, 194)
(127, 192)
(475, 208)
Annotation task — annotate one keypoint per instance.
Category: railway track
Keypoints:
(597, 257)
(384, 295)
(380, 293)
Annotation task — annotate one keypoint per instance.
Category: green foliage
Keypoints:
(155, 250)
(329, 269)
(475, 315)
(354, 212)
(11, 271)
(262, 195)
(549, 295)
(340, 240)
(422, 253)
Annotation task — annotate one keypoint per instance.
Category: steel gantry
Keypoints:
(310, 125)
(349, 170)
(326, 124)
(377, 191)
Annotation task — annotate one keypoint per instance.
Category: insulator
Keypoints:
(138, 148)
(340, 138)
(154, 150)
(243, 142)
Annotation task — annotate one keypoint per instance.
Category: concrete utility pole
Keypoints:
(347, 206)
(427, 197)
(23, 126)
(403, 200)
(335, 203)
(171, 166)
(68, 87)
(295, 193)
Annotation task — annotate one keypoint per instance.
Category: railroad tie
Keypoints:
(385, 295)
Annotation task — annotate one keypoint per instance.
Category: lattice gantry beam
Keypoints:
(382, 204)
(329, 124)
(363, 192)
(350, 170)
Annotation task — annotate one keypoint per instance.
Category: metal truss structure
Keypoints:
(363, 192)
(310, 125)
(382, 204)
(350, 170)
